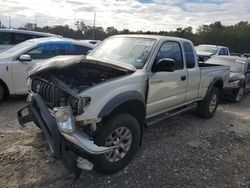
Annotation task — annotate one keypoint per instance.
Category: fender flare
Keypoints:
(5, 86)
(119, 99)
(213, 83)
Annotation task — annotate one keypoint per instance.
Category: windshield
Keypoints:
(236, 66)
(15, 49)
(209, 49)
(129, 50)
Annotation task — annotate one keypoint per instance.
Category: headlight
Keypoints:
(64, 118)
(234, 84)
(79, 105)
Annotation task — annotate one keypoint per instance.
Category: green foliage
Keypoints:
(236, 37)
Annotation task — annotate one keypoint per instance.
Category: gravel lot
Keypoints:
(184, 151)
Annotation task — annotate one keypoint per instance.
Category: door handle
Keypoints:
(183, 78)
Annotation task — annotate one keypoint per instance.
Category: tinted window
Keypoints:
(48, 50)
(5, 38)
(40, 52)
(81, 50)
(19, 37)
(189, 54)
(51, 50)
(171, 50)
(225, 51)
(221, 52)
(248, 66)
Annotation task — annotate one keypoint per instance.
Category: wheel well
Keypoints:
(219, 84)
(133, 107)
(6, 89)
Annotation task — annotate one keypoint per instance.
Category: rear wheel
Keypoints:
(122, 131)
(208, 106)
(239, 94)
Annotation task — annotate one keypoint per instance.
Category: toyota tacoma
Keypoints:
(92, 109)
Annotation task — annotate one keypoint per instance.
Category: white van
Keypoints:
(11, 37)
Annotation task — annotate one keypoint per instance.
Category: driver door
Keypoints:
(19, 68)
(167, 90)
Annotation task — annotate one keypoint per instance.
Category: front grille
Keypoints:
(45, 89)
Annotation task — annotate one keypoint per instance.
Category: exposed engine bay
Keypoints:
(59, 87)
(82, 76)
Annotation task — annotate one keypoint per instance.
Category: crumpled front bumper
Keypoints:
(39, 113)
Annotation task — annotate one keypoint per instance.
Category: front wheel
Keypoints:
(208, 106)
(122, 131)
(2, 92)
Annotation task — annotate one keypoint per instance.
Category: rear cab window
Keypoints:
(189, 54)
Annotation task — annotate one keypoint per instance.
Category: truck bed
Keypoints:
(209, 72)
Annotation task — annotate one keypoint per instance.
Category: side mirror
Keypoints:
(164, 65)
(25, 57)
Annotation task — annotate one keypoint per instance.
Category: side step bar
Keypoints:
(161, 117)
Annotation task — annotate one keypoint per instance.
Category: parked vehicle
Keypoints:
(16, 60)
(11, 37)
(94, 42)
(101, 102)
(205, 52)
(247, 55)
(239, 81)
(236, 54)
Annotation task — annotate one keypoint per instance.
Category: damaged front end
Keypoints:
(55, 101)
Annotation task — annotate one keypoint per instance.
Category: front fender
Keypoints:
(118, 100)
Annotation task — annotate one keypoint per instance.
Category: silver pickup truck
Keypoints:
(92, 109)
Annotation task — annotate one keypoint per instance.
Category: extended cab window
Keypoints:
(226, 51)
(171, 50)
(189, 54)
(248, 66)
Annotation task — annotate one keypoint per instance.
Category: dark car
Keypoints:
(239, 80)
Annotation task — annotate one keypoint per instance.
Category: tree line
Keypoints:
(236, 37)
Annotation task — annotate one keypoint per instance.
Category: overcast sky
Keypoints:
(143, 15)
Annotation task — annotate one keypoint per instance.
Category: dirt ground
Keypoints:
(184, 151)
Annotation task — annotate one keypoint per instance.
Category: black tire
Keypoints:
(204, 110)
(2, 92)
(238, 95)
(101, 163)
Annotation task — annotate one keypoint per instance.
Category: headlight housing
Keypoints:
(64, 118)
(79, 105)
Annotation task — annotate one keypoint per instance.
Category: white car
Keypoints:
(205, 51)
(16, 60)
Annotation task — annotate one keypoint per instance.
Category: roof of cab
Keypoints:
(156, 37)
(29, 32)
